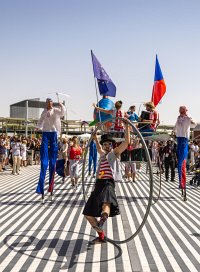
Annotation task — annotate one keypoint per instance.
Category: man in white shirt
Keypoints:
(50, 125)
(182, 131)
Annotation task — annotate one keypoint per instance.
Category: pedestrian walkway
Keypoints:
(55, 236)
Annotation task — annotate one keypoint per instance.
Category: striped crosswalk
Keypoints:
(55, 236)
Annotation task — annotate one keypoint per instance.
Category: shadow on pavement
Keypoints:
(31, 246)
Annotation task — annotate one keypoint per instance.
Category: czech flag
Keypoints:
(159, 87)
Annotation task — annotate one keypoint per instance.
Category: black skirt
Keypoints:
(104, 191)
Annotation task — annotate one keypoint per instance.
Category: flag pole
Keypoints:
(139, 109)
(152, 95)
(95, 82)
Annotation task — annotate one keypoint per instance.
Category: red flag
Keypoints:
(159, 87)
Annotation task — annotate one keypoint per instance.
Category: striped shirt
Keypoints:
(118, 123)
(105, 171)
(155, 118)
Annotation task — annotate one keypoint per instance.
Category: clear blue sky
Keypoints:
(45, 47)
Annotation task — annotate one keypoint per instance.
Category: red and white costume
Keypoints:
(74, 158)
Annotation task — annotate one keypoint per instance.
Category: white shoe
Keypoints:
(50, 198)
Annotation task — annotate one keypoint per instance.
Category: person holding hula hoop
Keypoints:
(103, 201)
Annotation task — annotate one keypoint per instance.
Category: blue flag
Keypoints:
(106, 86)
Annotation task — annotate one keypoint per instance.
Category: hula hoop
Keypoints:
(150, 175)
(159, 172)
(159, 176)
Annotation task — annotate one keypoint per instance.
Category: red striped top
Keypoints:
(155, 118)
(105, 171)
(118, 123)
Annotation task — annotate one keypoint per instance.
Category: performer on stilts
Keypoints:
(182, 131)
(50, 125)
(92, 158)
(102, 201)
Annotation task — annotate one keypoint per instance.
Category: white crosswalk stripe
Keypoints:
(55, 236)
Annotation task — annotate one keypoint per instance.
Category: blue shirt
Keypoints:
(132, 116)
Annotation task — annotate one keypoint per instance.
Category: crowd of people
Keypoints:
(21, 151)
(49, 148)
(18, 151)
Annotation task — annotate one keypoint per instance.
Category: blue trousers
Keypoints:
(182, 153)
(92, 158)
(47, 157)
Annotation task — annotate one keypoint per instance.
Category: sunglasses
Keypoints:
(107, 144)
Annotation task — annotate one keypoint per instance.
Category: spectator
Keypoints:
(169, 152)
(150, 120)
(75, 152)
(2, 154)
(23, 153)
(16, 156)
(131, 115)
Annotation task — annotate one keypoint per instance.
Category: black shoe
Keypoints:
(172, 180)
(166, 180)
(89, 174)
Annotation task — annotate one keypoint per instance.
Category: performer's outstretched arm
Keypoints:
(99, 148)
(192, 122)
(102, 110)
(61, 111)
(118, 150)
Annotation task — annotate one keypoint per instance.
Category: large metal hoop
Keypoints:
(158, 174)
(136, 131)
(159, 177)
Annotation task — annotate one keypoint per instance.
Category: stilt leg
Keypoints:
(42, 198)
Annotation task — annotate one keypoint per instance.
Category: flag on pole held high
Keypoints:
(105, 84)
(159, 87)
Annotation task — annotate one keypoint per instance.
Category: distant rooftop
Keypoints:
(33, 103)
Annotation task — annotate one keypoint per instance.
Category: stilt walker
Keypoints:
(92, 158)
(182, 131)
(50, 125)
